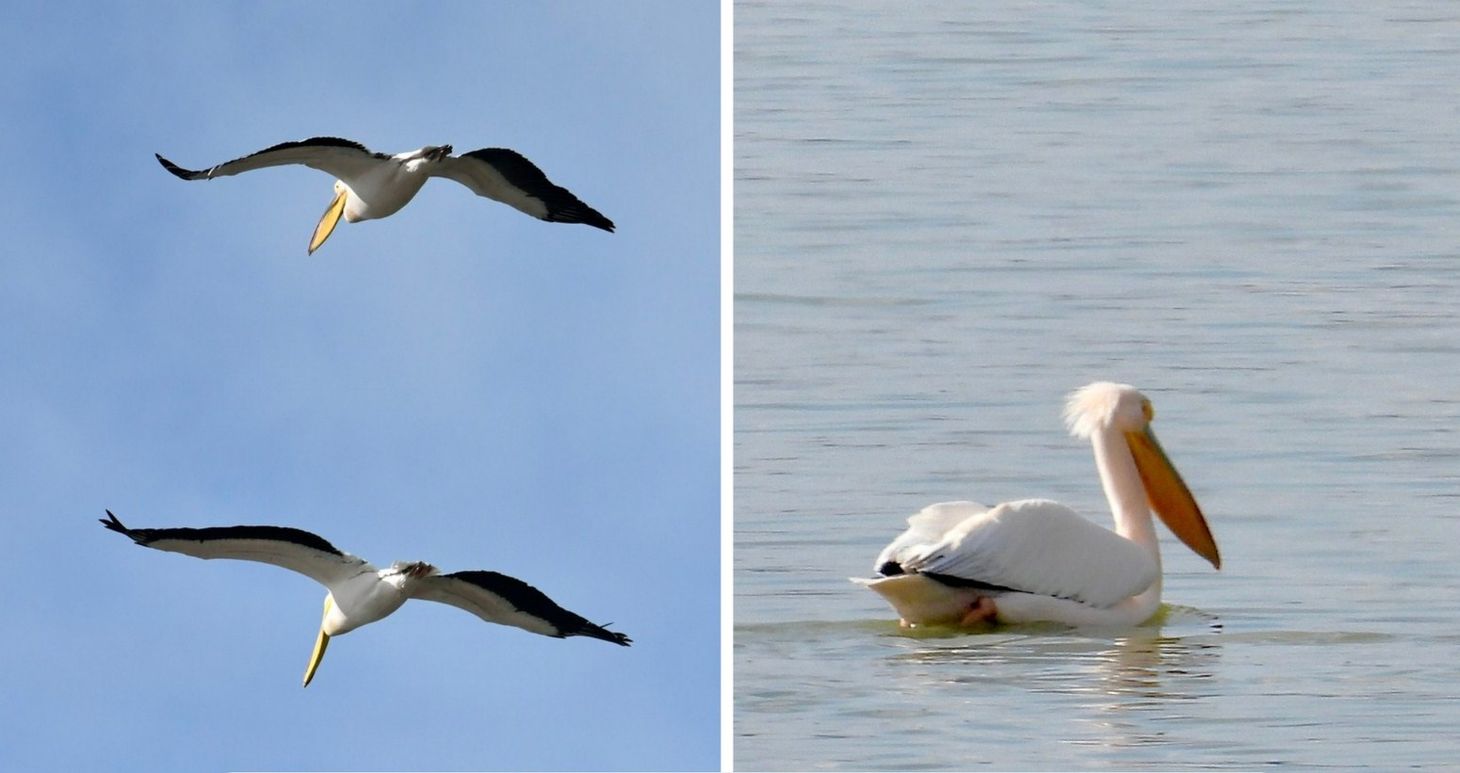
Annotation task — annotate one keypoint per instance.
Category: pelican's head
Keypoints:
(1104, 408)
(402, 572)
(331, 216)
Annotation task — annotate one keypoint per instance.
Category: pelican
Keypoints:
(359, 593)
(374, 185)
(1034, 560)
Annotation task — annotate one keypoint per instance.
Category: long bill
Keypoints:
(1169, 496)
(328, 222)
(320, 645)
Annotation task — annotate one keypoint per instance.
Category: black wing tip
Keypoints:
(601, 632)
(111, 522)
(185, 174)
(562, 204)
(115, 524)
(531, 601)
(580, 213)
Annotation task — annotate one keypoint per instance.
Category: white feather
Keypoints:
(1042, 547)
(926, 528)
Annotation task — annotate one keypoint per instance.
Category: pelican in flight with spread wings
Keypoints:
(374, 185)
(1035, 560)
(359, 593)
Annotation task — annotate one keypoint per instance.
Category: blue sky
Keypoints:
(457, 383)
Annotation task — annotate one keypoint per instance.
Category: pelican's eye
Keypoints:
(1148, 411)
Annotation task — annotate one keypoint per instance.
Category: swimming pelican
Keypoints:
(359, 593)
(1037, 560)
(374, 185)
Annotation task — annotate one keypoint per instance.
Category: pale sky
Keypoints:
(457, 383)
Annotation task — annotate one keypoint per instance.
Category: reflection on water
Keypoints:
(1109, 688)
(948, 216)
(1140, 664)
(1147, 697)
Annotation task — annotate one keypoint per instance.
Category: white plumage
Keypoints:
(1037, 560)
(373, 185)
(359, 593)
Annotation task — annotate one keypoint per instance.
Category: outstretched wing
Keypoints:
(506, 176)
(344, 159)
(1038, 546)
(294, 549)
(498, 598)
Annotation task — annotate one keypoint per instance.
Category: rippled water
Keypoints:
(947, 217)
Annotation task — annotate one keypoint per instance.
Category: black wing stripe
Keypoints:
(964, 582)
(146, 537)
(318, 142)
(312, 142)
(562, 205)
(532, 601)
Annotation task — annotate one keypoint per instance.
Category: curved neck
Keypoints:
(1125, 492)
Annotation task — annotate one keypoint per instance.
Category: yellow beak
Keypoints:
(328, 222)
(1169, 496)
(320, 645)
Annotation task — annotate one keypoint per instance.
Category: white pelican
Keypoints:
(1036, 560)
(374, 185)
(359, 593)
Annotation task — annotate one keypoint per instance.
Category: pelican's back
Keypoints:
(1041, 547)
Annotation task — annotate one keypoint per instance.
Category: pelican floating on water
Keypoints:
(359, 593)
(374, 185)
(1035, 560)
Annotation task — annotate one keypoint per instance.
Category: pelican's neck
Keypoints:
(1124, 490)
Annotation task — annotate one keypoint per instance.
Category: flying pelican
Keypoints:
(374, 185)
(359, 593)
(1036, 560)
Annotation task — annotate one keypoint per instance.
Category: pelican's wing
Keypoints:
(924, 529)
(295, 549)
(498, 598)
(1042, 547)
(505, 176)
(344, 159)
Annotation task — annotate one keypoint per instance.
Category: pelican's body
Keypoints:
(371, 595)
(1035, 560)
(374, 185)
(360, 594)
(382, 189)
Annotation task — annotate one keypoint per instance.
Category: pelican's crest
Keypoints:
(1104, 404)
